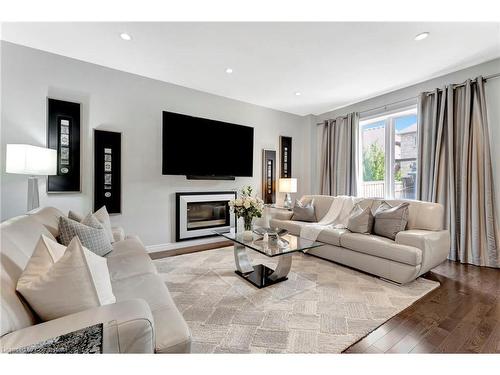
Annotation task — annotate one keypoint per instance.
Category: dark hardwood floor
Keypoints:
(462, 316)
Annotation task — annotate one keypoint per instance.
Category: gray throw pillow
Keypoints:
(304, 211)
(74, 216)
(91, 233)
(360, 220)
(390, 220)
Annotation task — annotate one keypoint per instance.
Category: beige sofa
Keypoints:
(144, 316)
(422, 246)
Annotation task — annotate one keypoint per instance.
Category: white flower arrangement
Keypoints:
(247, 206)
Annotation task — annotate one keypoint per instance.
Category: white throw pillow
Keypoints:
(75, 216)
(102, 215)
(46, 253)
(76, 281)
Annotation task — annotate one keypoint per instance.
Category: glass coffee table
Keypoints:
(260, 275)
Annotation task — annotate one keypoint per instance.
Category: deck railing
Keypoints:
(376, 189)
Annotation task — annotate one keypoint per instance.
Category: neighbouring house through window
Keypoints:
(388, 155)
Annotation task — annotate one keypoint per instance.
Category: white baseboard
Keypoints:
(180, 245)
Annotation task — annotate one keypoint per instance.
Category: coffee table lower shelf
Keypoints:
(260, 276)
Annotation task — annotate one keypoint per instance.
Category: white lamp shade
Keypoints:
(32, 160)
(287, 185)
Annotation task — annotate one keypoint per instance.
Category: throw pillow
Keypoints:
(390, 220)
(77, 281)
(74, 216)
(360, 220)
(304, 211)
(89, 231)
(102, 215)
(46, 253)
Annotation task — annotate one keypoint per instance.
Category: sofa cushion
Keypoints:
(129, 258)
(331, 236)
(129, 265)
(149, 287)
(390, 220)
(381, 247)
(172, 332)
(129, 246)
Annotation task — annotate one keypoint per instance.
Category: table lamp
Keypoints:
(33, 161)
(287, 185)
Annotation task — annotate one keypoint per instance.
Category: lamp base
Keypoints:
(33, 196)
(288, 201)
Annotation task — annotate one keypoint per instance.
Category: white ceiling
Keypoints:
(331, 64)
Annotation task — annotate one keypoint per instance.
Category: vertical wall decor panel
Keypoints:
(63, 135)
(269, 176)
(107, 170)
(285, 157)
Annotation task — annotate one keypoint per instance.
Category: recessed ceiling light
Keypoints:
(297, 93)
(229, 70)
(422, 36)
(125, 36)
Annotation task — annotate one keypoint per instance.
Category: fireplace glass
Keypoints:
(201, 215)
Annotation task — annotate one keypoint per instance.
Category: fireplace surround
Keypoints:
(197, 214)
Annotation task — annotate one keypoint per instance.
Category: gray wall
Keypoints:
(493, 107)
(114, 100)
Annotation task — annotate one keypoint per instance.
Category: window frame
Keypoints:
(389, 117)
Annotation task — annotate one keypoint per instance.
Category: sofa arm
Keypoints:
(118, 234)
(435, 245)
(133, 319)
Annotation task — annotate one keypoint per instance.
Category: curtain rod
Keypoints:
(492, 76)
(373, 109)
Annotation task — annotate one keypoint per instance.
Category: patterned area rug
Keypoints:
(322, 308)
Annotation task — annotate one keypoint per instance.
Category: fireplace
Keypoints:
(198, 214)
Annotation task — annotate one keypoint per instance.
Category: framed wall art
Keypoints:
(63, 135)
(285, 157)
(269, 176)
(107, 170)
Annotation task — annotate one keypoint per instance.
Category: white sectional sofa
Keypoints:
(422, 246)
(144, 315)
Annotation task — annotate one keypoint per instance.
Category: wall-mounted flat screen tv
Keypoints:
(202, 148)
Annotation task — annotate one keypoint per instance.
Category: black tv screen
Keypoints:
(200, 147)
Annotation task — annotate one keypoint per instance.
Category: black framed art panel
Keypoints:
(269, 176)
(107, 170)
(285, 157)
(63, 135)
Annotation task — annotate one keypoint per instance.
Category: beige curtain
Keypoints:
(339, 155)
(455, 169)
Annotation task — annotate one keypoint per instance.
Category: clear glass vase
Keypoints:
(247, 223)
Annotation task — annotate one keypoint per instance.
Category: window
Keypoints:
(388, 155)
